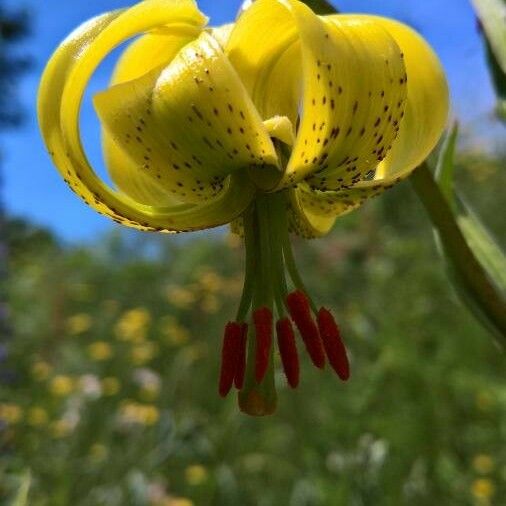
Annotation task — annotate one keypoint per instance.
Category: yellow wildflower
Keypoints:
(10, 413)
(175, 334)
(484, 400)
(78, 323)
(195, 474)
(61, 385)
(98, 452)
(133, 325)
(210, 304)
(211, 281)
(483, 464)
(61, 428)
(149, 392)
(178, 501)
(180, 297)
(41, 370)
(193, 353)
(100, 350)
(150, 415)
(483, 489)
(37, 416)
(143, 353)
(110, 385)
(142, 414)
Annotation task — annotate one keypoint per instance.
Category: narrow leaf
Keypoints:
(445, 166)
(483, 245)
(477, 236)
(21, 498)
(492, 14)
(471, 256)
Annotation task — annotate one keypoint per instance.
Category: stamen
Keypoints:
(241, 358)
(298, 304)
(288, 351)
(299, 308)
(334, 346)
(229, 357)
(262, 319)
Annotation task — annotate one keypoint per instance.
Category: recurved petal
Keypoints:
(343, 83)
(313, 212)
(60, 95)
(424, 120)
(309, 215)
(353, 100)
(149, 51)
(268, 58)
(427, 107)
(188, 124)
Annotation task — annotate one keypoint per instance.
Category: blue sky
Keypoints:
(32, 187)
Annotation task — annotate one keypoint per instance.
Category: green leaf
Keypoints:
(498, 76)
(477, 236)
(476, 264)
(483, 245)
(492, 15)
(445, 165)
(21, 498)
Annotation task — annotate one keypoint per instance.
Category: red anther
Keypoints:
(298, 304)
(229, 357)
(262, 318)
(311, 337)
(288, 351)
(334, 346)
(300, 311)
(241, 357)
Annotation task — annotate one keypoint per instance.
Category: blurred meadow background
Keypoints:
(110, 343)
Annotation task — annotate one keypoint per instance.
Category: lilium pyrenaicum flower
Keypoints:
(278, 123)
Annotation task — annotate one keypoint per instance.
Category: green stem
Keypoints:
(259, 399)
(290, 263)
(469, 270)
(265, 293)
(275, 210)
(249, 242)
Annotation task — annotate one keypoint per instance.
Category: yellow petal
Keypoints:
(187, 125)
(315, 210)
(222, 33)
(425, 118)
(305, 216)
(426, 112)
(60, 95)
(268, 58)
(152, 50)
(351, 95)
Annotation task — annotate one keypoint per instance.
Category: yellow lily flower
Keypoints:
(280, 122)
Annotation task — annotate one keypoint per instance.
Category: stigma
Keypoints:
(275, 312)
